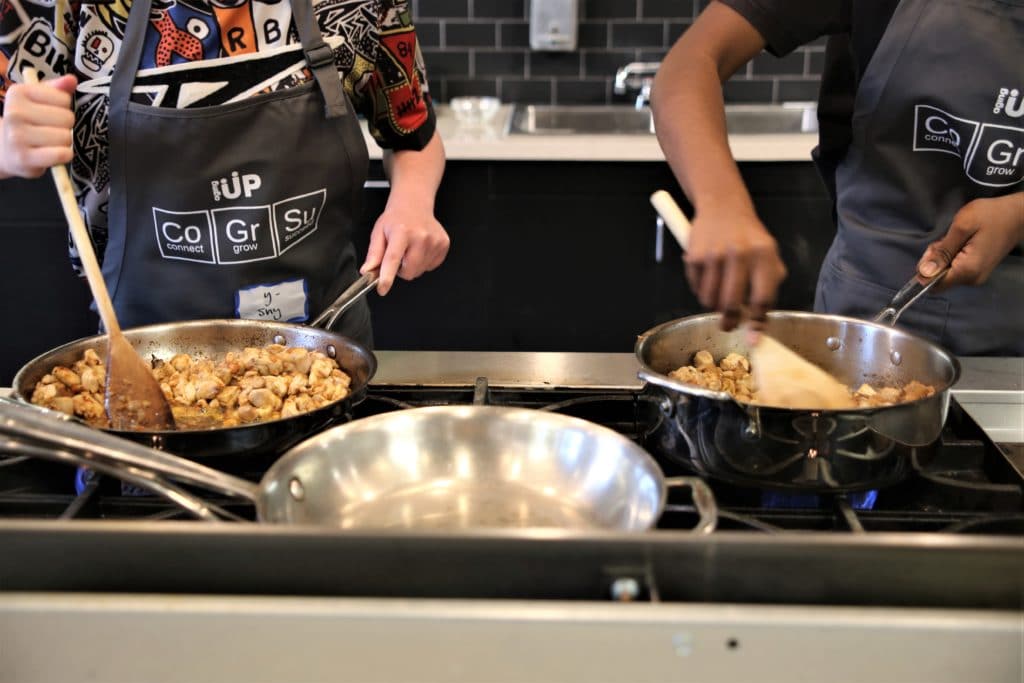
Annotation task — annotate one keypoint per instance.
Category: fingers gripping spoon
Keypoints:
(132, 396)
(784, 379)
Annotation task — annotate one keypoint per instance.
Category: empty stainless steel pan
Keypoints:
(447, 467)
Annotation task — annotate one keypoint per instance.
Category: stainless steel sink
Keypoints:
(768, 119)
(531, 119)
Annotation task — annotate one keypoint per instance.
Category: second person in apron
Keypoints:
(922, 146)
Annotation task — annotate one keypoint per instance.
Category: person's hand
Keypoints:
(981, 235)
(733, 264)
(36, 129)
(406, 241)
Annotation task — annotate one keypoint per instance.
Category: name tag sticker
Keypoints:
(286, 301)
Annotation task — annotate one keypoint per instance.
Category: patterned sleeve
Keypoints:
(395, 98)
(38, 34)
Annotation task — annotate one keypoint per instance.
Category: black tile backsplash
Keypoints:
(766, 65)
(637, 34)
(744, 91)
(565, 64)
(514, 34)
(467, 34)
(527, 91)
(482, 47)
(512, 9)
(608, 9)
(449, 8)
(499, 63)
(568, 91)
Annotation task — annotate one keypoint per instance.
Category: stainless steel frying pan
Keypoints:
(782, 448)
(214, 338)
(447, 467)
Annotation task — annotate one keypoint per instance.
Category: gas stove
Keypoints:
(971, 486)
(928, 575)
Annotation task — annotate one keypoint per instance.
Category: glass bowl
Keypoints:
(475, 110)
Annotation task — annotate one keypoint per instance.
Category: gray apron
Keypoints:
(240, 210)
(937, 123)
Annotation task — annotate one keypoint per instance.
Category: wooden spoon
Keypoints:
(132, 396)
(783, 378)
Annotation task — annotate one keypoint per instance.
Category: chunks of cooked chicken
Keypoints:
(254, 385)
(732, 375)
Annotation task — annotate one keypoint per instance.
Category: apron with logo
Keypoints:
(938, 121)
(240, 210)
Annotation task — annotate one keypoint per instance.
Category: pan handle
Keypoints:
(908, 294)
(703, 500)
(191, 503)
(683, 390)
(356, 291)
(57, 430)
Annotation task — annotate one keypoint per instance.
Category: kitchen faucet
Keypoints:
(637, 76)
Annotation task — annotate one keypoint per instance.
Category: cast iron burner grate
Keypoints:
(970, 486)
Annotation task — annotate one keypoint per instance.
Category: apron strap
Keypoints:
(127, 62)
(320, 58)
(318, 54)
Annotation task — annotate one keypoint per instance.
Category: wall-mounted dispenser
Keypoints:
(554, 25)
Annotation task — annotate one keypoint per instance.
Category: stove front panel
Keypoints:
(185, 639)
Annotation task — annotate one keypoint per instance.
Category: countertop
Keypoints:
(494, 143)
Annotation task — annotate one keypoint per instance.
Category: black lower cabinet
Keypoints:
(45, 304)
(562, 256)
(546, 256)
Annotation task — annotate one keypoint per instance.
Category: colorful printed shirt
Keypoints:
(201, 53)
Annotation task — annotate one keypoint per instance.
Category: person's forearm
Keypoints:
(689, 111)
(415, 176)
(689, 116)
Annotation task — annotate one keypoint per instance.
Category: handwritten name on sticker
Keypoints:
(286, 301)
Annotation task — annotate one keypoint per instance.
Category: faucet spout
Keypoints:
(643, 98)
(638, 76)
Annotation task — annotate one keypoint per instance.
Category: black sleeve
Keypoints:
(787, 24)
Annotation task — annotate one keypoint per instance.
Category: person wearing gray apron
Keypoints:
(239, 210)
(927, 140)
(934, 155)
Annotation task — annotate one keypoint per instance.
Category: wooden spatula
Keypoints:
(133, 397)
(783, 377)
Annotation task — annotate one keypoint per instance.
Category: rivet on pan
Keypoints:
(296, 489)
(279, 339)
(331, 351)
(895, 357)
(625, 589)
(833, 343)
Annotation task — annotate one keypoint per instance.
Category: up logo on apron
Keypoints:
(992, 153)
(227, 234)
